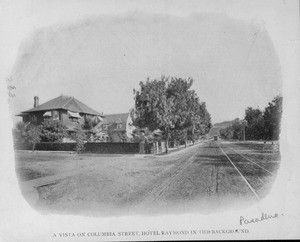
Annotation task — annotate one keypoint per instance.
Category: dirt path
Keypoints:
(197, 178)
(205, 180)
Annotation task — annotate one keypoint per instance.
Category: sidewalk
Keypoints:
(180, 149)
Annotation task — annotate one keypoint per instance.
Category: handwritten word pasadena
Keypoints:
(264, 216)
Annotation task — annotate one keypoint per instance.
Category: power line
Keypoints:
(248, 54)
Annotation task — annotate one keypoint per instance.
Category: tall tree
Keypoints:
(238, 130)
(255, 124)
(204, 125)
(260, 124)
(153, 109)
(272, 119)
(169, 105)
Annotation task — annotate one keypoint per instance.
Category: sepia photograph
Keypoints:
(160, 120)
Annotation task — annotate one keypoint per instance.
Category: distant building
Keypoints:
(64, 108)
(118, 127)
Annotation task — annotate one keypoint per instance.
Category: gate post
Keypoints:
(142, 147)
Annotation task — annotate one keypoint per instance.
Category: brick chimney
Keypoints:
(36, 101)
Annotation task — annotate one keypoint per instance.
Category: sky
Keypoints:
(99, 51)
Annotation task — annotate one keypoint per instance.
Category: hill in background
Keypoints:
(215, 130)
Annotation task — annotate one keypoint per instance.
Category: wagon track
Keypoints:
(174, 180)
(250, 160)
(244, 178)
(248, 174)
(170, 184)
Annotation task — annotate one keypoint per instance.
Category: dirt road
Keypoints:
(207, 177)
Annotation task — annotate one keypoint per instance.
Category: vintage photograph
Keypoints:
(145, 112)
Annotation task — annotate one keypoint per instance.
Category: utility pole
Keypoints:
(244, 122)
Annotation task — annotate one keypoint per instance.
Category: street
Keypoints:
(207, 177)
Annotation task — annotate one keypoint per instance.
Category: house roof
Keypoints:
(118, 118)
(64, 102)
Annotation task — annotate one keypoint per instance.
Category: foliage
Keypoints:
(272, 119)
(171, 106)
(153, 109)
(234, 131)
(90, 126)
(116, 135)
(144, 135)
(88, 123)
(138, 136)
(179, 135)
(52, 131)
(260, 125)
(19, 132)
(79, 137)
(32, 135)
(21, 126)
(226, 133)
(255, 124)
(192, 117)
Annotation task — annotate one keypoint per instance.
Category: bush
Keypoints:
(32, 135)
(79, 137)
(52, 131)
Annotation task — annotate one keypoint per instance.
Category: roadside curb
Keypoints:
(176, 151)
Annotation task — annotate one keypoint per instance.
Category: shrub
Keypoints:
(79, 137)
(52, 131)
(32, 135)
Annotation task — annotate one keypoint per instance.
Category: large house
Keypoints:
(118, 127)
(64, 108)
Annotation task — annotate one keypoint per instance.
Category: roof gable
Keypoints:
(67, 103)
(116, 118)
(119, 118)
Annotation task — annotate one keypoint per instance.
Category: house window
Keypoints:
(74, 117)
(55, 115)
(34, 118)
(47, 115)
(119, 126)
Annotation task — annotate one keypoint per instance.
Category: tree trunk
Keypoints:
(167, 141)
